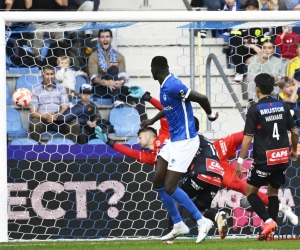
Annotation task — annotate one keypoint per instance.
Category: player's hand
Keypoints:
(136, 92)
(238, 171)
(293, 155)
(146, 123)
(99, 134)
(213, 116)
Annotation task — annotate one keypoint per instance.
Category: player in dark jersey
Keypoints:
(268, 121)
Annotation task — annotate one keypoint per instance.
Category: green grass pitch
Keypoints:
(227, 244)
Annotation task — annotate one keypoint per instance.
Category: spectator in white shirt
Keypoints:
(67, 76)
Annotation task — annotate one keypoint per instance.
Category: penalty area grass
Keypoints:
(226, 244)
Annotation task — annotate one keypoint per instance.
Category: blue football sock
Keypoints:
(184, 201)
(169, 205)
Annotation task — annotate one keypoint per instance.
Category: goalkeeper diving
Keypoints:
(225, 148)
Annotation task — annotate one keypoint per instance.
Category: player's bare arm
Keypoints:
(294, 138)
(244, 150)
(204, 103)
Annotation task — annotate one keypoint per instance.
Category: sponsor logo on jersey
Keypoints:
(182, 93)
(168, 108)
(214, 166)
(277, 156)
(262, 174)
(195, 186)
(223, 147)
(165, 97)
(271, 110)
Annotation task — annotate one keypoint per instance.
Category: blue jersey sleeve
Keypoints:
(178, 90)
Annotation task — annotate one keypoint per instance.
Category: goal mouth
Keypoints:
(67, 192)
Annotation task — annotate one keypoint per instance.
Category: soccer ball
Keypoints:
(22, 97)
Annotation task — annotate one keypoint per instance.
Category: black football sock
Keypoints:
(258, 206)
(273, 207)
(210, 214)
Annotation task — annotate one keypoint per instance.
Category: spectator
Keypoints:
(67, 76)
(8, 5)
(232, 5)
(49, 101)
(293, 70)
(246, 42)
(214, 4)
(47, 5)
(265, 62)
(288, 93)
(268, 5)
(108, 73)
(292, 4)
(86, 113)
(83, 5)
(286, 43)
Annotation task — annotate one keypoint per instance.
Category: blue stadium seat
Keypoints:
(14, 123)
(23, 70)
(60, 141)
(9, 100)
(126, 121)
(28, 81)
(133, 141)
(51, 134)
(96, 142)
(103, 101)
(23, 141)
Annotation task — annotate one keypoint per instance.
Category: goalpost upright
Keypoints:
(107, 16)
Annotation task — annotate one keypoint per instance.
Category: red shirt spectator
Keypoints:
(285, 43)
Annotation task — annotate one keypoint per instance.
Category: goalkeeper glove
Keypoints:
(103, 137)
(99, 134)
(138, 92)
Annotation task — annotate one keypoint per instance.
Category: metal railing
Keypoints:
(212, 57)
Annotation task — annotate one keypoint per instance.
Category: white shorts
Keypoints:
(179, 154)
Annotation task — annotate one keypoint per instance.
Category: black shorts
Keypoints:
(203, 192)
(258, 178)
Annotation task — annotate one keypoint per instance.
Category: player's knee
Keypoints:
(170, 189)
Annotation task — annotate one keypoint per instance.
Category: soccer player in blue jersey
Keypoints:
(176, 154)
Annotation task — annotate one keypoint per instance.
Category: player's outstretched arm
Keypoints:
(144, 157)
(149, 122)
(204, 103)
(138, 92)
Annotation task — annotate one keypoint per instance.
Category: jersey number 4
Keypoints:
(275, 131)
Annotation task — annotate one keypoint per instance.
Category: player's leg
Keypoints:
(254, 182)
(167, 200)
(230, 181)
(182, 154)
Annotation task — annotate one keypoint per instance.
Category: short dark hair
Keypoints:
(265, 83)
(150, 129)
(159, 62)
(197, 125)
(105, 30)
(47, 67)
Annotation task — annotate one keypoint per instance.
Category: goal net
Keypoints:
(59, 189)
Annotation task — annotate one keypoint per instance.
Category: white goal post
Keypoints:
(107, 16)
